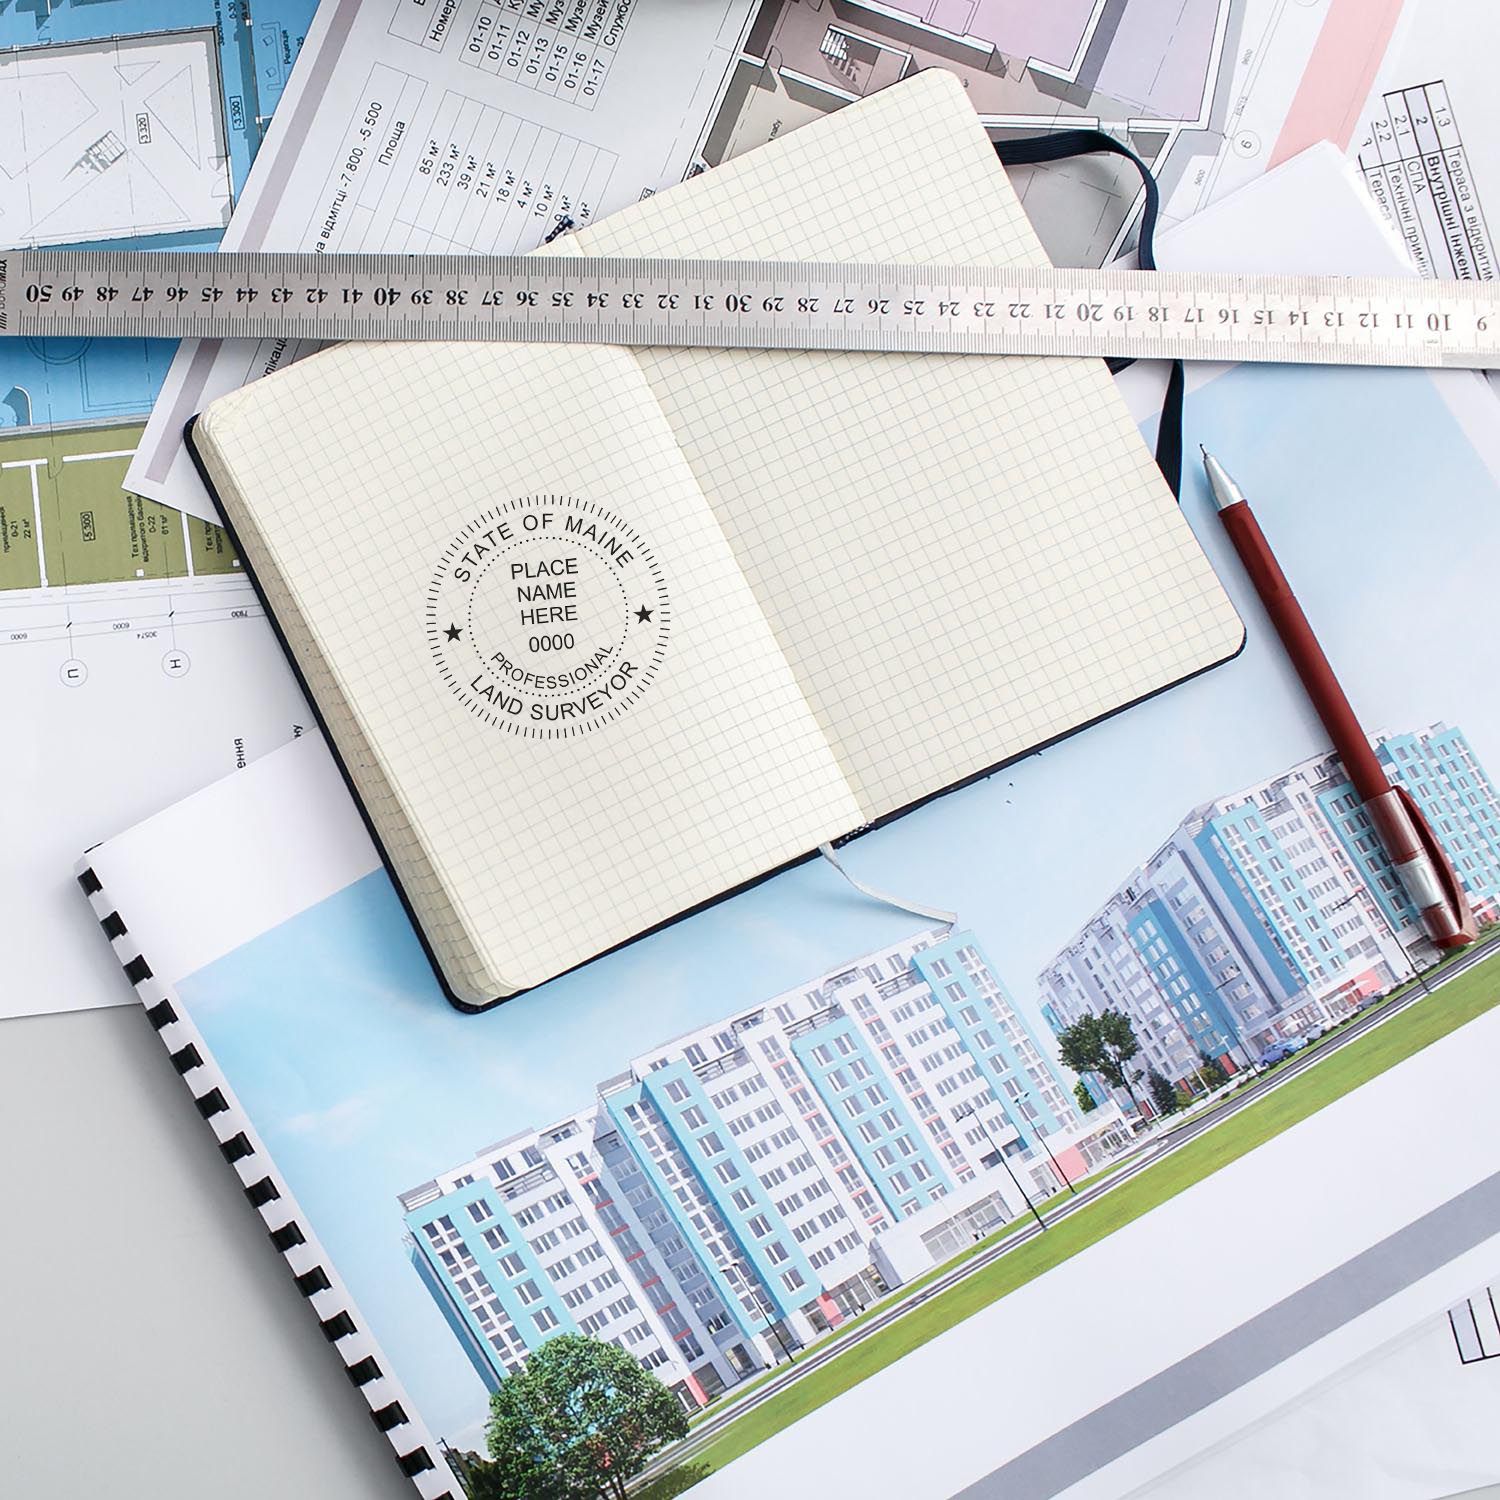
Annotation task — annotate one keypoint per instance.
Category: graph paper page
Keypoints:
(962, 558)
(540, 660)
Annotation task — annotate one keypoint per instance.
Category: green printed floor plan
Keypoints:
(64, 520)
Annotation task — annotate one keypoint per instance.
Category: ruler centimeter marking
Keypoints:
(753, 305)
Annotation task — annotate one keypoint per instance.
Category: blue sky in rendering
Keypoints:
(365, 1084)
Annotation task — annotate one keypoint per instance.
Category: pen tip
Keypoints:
(1224, 490)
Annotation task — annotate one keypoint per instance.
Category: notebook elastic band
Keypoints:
(1059, 145)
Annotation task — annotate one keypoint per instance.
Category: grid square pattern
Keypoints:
(522, 857)
(962, 558)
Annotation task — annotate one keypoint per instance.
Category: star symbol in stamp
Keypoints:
(453, 632)
(643, 614)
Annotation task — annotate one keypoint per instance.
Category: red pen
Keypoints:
(1425, 871)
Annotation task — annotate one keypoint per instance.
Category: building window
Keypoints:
(776, 1253)
(677, 1090)
(546, 1320)
(793, 1279)
(479, 1211)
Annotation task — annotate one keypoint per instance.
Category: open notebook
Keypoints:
(602, 635)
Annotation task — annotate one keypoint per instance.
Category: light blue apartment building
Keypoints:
(1438, 767)
(723, 1200)
(1273, 909)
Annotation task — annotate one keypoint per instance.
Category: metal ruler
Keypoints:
(752, 305)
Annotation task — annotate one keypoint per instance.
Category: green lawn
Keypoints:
(1044, 1207)
(1423, 1022)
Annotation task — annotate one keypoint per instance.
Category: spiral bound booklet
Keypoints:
(770, 1240)
(599, 635)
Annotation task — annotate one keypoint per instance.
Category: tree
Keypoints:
(1212, 1072)
(580, 1420)
(1086, 1101)
(1101, 1044)
(1163, 1095)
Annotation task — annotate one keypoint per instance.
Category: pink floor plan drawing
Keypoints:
(1202, 89)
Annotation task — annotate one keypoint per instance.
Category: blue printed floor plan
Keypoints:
(126, 123)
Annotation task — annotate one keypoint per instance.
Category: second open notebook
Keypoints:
(600, 636)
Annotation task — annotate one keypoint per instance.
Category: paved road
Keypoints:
(1150, 1151)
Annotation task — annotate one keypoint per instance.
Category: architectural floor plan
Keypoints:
(101, 140)
(125, 124)
(1203, 90)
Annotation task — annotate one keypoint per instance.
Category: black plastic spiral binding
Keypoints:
(266, 1194)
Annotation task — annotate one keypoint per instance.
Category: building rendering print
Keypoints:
(757, 1181)
(750, 1185)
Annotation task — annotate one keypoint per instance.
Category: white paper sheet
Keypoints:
(1413, 1421)
(453, 127)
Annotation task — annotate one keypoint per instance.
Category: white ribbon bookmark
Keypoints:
(932, 913)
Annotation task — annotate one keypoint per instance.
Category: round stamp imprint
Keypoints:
(547, 616)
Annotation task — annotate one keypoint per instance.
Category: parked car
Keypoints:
(1314, 1031)
(1296, 1043)
(1275, 1053)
